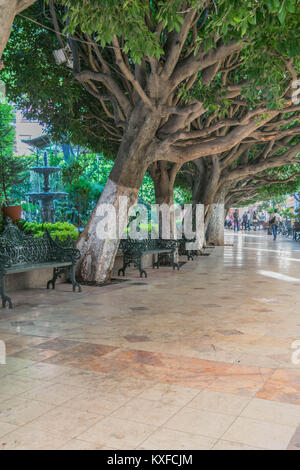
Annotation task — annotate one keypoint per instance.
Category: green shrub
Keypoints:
(60, 230)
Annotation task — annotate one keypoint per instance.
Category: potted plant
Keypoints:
(12, 167)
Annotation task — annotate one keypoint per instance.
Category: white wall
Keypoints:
(25, 130)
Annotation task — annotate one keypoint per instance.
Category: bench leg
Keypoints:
(139, 265)
(53, 280)
(142, 271)
(5, 298)
(155, 264)
(125, 264)
(136, 260)
(121, 270)
(73, 279)
(175, 265)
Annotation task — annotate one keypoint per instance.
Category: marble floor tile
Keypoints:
(170, 394)
(80, 356)
(272, 411)
(268, 435)
(58, 344)
(167, 439)
(19, 411)
(146, 411)
(42, 371)
(76, 444)
(29, 438)
(4, 397)
(88, 379)
(6, 428)
(98, 402)
(219, 402)
(283, 386)
(54, 394)
(118, 433)
(65, 422)
(35, 354)
(14, 385)
(200, 358)
(13, 365)
(294, 443)
(200, 422)
(227, 445)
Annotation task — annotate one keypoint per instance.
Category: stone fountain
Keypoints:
(46, 196)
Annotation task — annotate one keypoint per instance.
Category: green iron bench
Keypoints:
(21, 253)
(184, 251)
(133, 251)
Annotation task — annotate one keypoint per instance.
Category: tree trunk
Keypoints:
(215, 227)
(198, 225)
(163, 188)
(7, 14)
(99, 250)
(98, 244)
(8, 10)
(163, 179)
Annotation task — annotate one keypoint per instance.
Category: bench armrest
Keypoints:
(168, 243)
(67, 254)
(130, 247)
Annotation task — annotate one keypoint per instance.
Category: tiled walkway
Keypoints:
(195, 359)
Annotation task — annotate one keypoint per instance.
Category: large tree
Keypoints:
(154, 68)
(272, 146)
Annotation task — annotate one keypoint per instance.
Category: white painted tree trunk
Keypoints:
(98, 249)
(200, 229)
(8, 10)
(7, 14)
(100, 240)
(215, 229)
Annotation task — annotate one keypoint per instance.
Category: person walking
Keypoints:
(249, 220)
(274, 223)
(236, 221)
(245, 221)
(227, 221)
(254, 220)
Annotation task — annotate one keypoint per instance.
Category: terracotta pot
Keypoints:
(14, 212)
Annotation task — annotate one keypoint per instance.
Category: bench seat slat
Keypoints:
(153, 252)
(19, 268)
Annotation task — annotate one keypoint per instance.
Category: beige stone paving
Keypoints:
(195, 359)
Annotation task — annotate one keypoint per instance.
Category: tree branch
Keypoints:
(201, 61)
(109, 83)
(175, 44)
(128, 74)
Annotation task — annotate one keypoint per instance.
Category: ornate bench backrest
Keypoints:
(137, 246)
(20, 248)
(133, 246)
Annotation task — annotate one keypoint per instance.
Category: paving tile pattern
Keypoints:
(195, 359)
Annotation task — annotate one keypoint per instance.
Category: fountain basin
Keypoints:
(46, 196)
(46, 170)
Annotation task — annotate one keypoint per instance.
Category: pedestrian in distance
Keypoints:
(274, 223)
(245, 221)
(236, 221)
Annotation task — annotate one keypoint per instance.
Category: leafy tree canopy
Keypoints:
(12, 168)
(268, 30)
